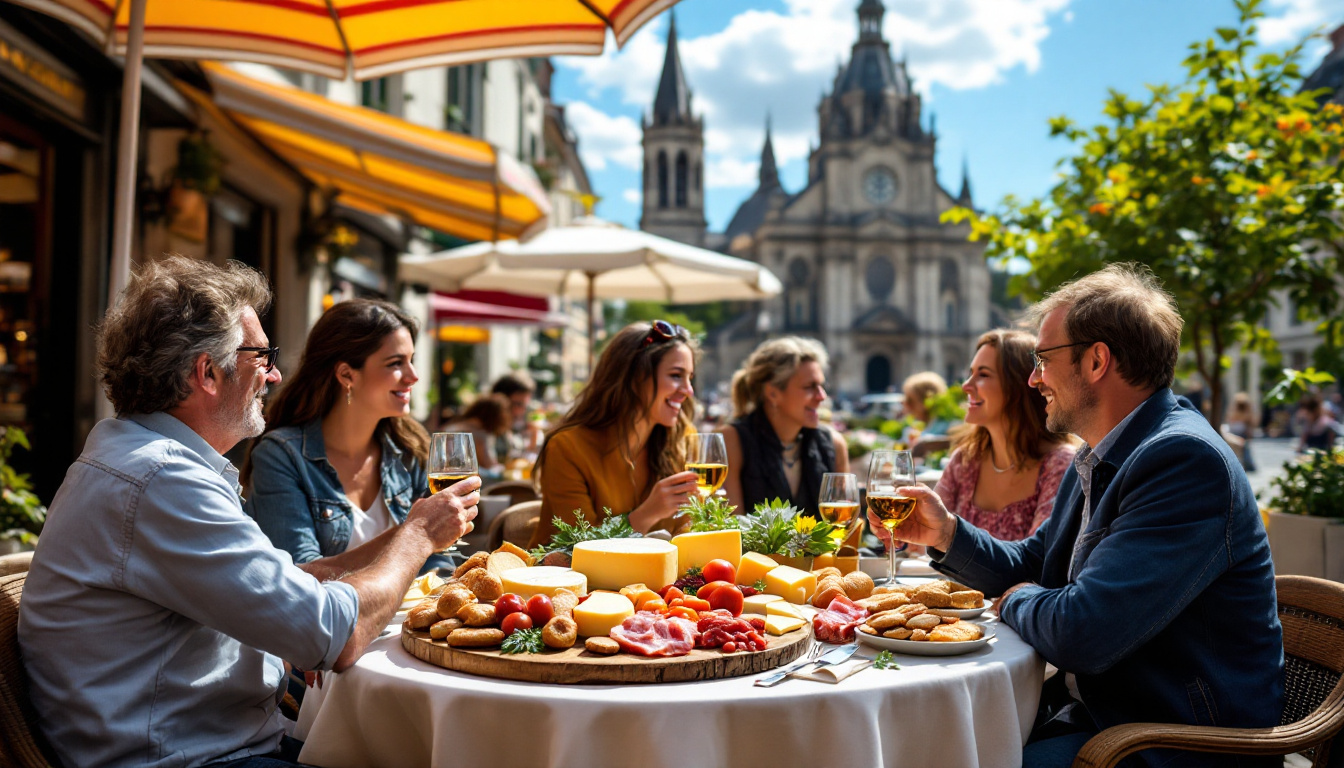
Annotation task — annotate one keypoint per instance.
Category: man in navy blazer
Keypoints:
(1151, 586)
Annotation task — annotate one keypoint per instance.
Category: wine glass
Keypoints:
(452, 458)
(707, 457)
(887, 471)
(839, 503)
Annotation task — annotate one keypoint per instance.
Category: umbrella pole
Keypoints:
(128, 144)
(592, 320)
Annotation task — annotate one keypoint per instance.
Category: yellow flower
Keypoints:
(803, 524)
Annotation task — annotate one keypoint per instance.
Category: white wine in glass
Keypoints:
(452, 459)
(887, 471)
(707, 457)
(839, 503)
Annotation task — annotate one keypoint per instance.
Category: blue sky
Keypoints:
(992, 71)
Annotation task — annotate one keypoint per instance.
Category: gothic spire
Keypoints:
(870, 20)
(673, 102)
(769, 174)
(965, 197)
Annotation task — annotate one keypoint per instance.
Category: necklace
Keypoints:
(792, 448)
(995, 467)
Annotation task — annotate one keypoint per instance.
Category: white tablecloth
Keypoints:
(394, 710)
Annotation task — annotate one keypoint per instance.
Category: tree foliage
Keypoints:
(1227, 186)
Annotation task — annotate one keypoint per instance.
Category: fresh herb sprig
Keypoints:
(776, 529)
(884, 660)
(523, 641)
(711, 514)
(567, 535)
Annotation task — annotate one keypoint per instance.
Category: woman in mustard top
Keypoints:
(622, 445)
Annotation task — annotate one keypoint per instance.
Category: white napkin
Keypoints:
(916, 566)
(833, 673)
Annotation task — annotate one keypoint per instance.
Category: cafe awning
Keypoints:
(378, 163)
(494, 308)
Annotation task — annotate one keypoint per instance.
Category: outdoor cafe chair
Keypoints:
(514, 525)
(518, 491)
(1312, 613)
(21, 745)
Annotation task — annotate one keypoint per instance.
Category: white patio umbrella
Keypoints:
(595, 259)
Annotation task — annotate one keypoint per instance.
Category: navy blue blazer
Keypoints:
(1171, 615)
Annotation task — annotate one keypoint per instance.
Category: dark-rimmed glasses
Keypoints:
(1039, 362)
(271, 354)
(661, 330)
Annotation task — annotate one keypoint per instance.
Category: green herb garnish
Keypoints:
(523, 641)
(884, 660)
(759, 586)
(567, 535)
(711, 514)
(775, 529)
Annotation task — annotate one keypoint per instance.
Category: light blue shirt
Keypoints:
(156, 613)
(1084, 461)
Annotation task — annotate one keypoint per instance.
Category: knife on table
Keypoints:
(834, 656)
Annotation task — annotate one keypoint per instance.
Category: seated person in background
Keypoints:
(487, 420)
(932, 436)
(1319, 431)
(777, 446)
(148, 555)
(342, 459)
(1151, 586)
(1241, 424)
(622, 445)
(1004, 470)
(525, 439)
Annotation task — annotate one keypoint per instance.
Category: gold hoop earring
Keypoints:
(349, 394)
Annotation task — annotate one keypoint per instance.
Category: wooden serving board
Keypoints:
(577, 665)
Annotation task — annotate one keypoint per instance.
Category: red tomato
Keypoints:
(719, 570)
(670, 593)
(539, 608)
(710, 588)
(514, 622)
(509, 603)
(728, 598)
(730, 647)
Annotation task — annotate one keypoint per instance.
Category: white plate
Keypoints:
(967, 613)
(925, 647)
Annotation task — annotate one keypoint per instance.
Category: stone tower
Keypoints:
(674, 148)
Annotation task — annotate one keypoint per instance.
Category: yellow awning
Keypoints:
(378, 163)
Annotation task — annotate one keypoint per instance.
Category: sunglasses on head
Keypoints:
(661, 330)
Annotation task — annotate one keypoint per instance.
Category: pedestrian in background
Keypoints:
(1241, 423)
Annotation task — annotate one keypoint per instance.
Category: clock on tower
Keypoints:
(879, 185)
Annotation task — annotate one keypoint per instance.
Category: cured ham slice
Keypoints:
(649, 634)
(836, 624)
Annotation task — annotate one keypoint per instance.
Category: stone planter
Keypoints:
(1307, 546)
(803, 563)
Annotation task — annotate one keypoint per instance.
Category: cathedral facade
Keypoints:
(867, 266)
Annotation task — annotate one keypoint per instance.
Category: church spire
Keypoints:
(672, 104)
(769, 174)
(870, 20)
(965, 197)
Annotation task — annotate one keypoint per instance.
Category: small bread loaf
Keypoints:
(932, 596)
(441, 629)
(918, 634)
(827, 592)
(961, 632)
(879, 603)
(899, 633)
(477, 614)
(423, 614)
(563, 602)
(867, 630)
(858, 585)
(560, 632)
(830, 570)
(924, 621)
(602, 645)
(967, 598)
(475, 638)
(453, 599)
(484, 584)
(886, 620)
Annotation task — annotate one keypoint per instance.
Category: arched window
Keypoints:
(950, 315)
(880, 278)
(683, 178)
(878, 374)
(662, 179)
(801, 296)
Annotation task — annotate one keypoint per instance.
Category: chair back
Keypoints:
(17, 562)
(515, 525)
(1312, 613)
(518, 491)
(20, 742)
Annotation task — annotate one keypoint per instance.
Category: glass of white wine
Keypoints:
(707, 457)
(452, 459)
(838, 503)
(887, 471)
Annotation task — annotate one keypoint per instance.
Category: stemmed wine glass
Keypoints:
(887, 471)
(839, 503)
(452, 458)
(707, 457)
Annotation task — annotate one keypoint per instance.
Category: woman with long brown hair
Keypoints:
(342, 459)
(1004, 470)
(621, 447)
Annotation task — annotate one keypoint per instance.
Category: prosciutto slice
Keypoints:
(836, 624)
(649, 634)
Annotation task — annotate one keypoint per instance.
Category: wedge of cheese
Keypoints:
(600, 612)
(759, 603)
(753, 567)
(614, 563)
(779, 625)
(783, 608)
(543, 580)
(696, 549)
(791, 584)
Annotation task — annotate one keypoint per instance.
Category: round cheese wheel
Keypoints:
(543, 580)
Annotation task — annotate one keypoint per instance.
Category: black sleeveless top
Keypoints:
(762, 471)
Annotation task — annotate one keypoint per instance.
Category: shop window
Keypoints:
(374, 94)
(23, 216)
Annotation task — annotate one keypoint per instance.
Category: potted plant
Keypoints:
(21, 514)
(1306, 523)
(195, 179)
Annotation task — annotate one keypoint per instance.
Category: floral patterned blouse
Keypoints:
(1016, 521)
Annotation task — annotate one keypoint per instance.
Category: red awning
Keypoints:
(494, 308)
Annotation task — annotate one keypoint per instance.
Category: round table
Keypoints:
(394, 710)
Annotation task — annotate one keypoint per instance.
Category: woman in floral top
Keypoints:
(1005, 469)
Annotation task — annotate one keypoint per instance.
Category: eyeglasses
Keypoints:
(271, 354)
(664, 331)
(1040, 362)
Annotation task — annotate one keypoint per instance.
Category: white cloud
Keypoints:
(631, 196)
(1288, 21)
(604, 138)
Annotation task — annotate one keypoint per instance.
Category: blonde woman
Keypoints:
(1241, 422)
(777, 446)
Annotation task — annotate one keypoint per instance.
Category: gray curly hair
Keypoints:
(174, 309)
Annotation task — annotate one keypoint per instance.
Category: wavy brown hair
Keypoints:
(1023, 405)
(347, 333)
(615, 398)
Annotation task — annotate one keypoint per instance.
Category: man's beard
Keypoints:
(245, 419)
(1070, 419)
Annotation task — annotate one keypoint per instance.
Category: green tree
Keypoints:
(1227, 186)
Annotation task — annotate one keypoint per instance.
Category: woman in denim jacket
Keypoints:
(342, 459)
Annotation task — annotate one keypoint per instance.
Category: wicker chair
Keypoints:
(20, 743)
(1312, 613)
(515, 525)
(15, 563)
(518, 491)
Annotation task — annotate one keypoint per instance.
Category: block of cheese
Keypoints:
(600, 612)
(823, 560)
(614, 563)
(696, 549)
(753, 567)
(784, 608)
(779, 625)
(543, 580)
(791, 584)
(758, 603)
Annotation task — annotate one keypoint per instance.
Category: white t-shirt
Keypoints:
(368, 523)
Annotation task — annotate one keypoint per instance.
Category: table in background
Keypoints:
(394, 710)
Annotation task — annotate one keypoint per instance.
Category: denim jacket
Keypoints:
(296, 496)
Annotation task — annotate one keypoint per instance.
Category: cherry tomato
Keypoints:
(655, 604)
(728, 598)
(514, 622)
(730, 647)
(670, 593)
(509, 603)
(719, 570)
(696, 604)
(539, 608)
(710, 588)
